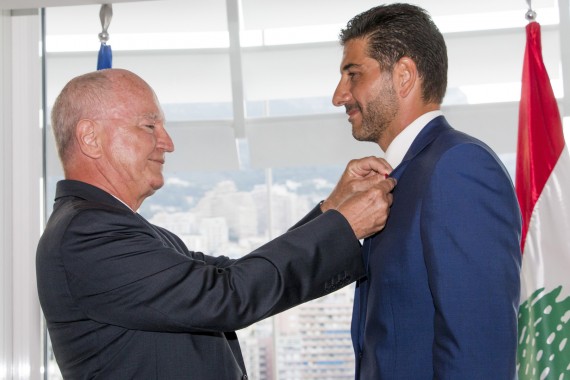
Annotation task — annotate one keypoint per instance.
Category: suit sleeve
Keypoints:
(120, 273)
(316, 211)
(470, 230)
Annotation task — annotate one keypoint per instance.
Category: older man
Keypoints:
(125, 299)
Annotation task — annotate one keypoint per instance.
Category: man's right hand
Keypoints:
(363, 195)
(367, 211)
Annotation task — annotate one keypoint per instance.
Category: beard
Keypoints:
(377, 115)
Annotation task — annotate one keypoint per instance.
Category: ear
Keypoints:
(405, 76)
(86, 138)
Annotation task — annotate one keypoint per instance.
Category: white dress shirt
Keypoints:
(400, 145)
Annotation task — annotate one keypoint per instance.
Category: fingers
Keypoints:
(388, 185)
(373, 180)
(367, 211)
(368, 166)
(358, 176)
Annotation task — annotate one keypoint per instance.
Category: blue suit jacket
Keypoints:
(441, 296)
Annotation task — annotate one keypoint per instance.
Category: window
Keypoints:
(240, 177)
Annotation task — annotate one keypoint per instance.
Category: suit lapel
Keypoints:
(428, 133)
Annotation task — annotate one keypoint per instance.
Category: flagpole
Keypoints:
(564, 35)
(530, 14)
(105, 58)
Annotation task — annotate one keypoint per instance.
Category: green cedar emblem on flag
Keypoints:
(544, 337)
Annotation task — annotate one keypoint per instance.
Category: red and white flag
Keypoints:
(543, 189)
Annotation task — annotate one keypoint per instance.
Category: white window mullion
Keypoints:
(5, 198)
(21, 154)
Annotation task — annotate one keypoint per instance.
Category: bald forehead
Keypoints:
(126, 80)
(132, 96)
(103, 84)
(115, 74)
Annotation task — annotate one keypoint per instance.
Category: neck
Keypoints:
(401, 122)
(119, 191)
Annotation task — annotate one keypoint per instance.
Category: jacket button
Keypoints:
(244, 377)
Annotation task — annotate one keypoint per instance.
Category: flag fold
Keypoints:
(543, 190)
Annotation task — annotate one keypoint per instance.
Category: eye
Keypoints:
(149, 126)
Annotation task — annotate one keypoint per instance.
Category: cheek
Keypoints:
(127, 156)
(361, 93)
(124, 153)
(371, 90)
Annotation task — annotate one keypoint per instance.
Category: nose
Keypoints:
(342, 94)
(164, 141)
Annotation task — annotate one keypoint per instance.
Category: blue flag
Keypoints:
(105, 59)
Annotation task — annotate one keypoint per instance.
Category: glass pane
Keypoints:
(228, 196)
(178, 46)
(311, 340)
(190, 74)
(291, 54)
(233, 213)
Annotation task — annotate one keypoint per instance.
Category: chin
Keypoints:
(357, 134)
(156, 185)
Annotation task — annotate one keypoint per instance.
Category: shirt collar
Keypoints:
(79, 189)
(120, 200)
(400, 145)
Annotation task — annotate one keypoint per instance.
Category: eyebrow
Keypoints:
(349, 66)
(151, 116)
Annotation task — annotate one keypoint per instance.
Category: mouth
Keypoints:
(158, 160)
(352, 111)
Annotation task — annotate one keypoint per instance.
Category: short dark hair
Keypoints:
(401, 30)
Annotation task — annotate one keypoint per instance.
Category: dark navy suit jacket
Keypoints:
(441, 296)
(125, 299)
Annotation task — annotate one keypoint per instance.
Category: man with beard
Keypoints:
(441, 295)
